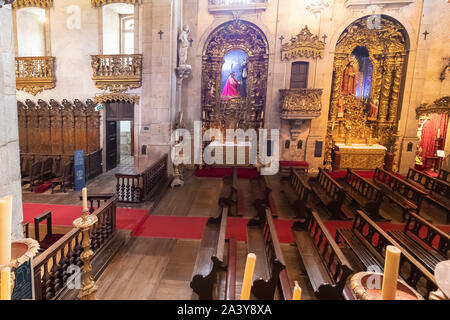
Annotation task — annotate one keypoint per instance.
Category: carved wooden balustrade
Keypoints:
(137, 188)
(35, 74)
(220, 6)
(56, 266)
(118, 72)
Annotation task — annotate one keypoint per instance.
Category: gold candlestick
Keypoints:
(85, 223)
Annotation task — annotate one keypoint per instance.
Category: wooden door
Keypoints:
(111, 145)
(299, 75)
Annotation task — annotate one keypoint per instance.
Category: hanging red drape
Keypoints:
(437, 124)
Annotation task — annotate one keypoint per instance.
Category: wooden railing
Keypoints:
(137, 188)
(117, 72)
(34, 74)
(56, 266)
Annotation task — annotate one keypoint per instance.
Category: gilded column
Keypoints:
(386, 89)
(396, 88)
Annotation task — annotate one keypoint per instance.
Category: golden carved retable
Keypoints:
(359, 156)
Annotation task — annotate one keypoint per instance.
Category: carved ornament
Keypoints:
(116, 97)
(305, 44)
(101, 3)
(440, 106)
(19, 4)
(299, 104)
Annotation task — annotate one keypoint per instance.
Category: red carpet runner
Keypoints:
(174, 227)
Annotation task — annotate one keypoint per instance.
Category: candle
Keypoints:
(248, 276)
(5, 229)
(332, 128)
(297, 292)
(262, 115)
(84, 196)
(439, 133)
(5, 284)
(391, 266)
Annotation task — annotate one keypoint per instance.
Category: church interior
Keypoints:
(224, 150)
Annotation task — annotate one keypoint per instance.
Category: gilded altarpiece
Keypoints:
(246, 111)
(369, 120)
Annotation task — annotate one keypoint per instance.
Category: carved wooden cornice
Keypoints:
(35, 74)
(117, 97)
(305, 44)
(101, 3)
(118, 73)
(19, 4)
(440, 106)
(299, 104)
(444, 70)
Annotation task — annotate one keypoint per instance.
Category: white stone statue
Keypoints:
(183, 47)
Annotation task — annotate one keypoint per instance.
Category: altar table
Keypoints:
(358, 156)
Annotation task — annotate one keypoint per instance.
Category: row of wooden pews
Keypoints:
(437, 190)
(368, 242)
(297, 191)
(213, 256)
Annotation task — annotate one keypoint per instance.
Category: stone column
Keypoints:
(9, 133)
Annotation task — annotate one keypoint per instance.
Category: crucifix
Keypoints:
(281, 40)
(426, 33)
(324, 38)
(160, 34)
(191, 41)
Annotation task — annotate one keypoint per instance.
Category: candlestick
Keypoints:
(391, 266)
(297, 292)
(5, 283)
(5, 229)
(248, 276)
(84, 197)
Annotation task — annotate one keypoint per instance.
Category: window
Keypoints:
(299, 75)
(127, 36)
(31, 32)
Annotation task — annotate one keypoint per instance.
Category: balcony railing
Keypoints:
(118, 72)
(35, 74)
(224, 6)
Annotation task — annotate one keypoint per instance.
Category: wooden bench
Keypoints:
(270, 267)
(444, 175)
(34, 176)
(325, 264)
(297, 192)
(50, 238)
(365, 194)
(330, 193)
(368, 243)
(424, 241)
(438, 190)
(400, 192)
(260, 193)
(211, 259)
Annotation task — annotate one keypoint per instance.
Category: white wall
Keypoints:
(30, 32)
(111, 30)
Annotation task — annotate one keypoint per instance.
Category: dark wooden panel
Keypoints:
(299, 75)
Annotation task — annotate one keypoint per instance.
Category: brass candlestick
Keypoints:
(84, 224)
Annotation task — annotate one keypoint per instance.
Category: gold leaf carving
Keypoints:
(303, 45)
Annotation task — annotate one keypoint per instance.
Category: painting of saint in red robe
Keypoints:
(231, 89)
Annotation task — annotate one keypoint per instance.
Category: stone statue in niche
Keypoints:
(183, 47)
(349, 81)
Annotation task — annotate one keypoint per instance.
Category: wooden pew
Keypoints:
(297, 193)
(364, 193)
(330, 193)
(260, 194)
(270, 268)
(444, 175)
(402, 193)
(325, 264)
(210, 257)
(438, 190)
(368, 242)
(424, 241)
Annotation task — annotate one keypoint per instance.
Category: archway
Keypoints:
(368, 74)
(236, 54)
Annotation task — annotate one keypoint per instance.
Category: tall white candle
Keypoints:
(5, 229)
(248, 276)
(5, 284)
(391, 266)
(84, 197)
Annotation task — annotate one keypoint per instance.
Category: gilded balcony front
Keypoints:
(300, 104)
(35, 74)
(226, 6)
(117, 72)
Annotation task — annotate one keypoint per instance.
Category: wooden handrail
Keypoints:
(52, 268)
(137, 188)
(274, 237)
(402, 181)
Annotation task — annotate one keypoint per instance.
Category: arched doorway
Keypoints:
(368, 73)
(234, 77)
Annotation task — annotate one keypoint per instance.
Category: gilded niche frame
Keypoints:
(388, 46)
(241, 113)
